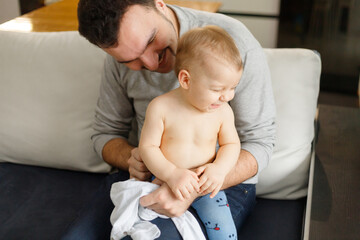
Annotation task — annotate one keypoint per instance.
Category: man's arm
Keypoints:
(112, 123)
(245, 168)
(116, 152)
(254, 110)
(120, 154)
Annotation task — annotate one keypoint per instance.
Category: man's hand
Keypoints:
(211, 180)
(183, 183)
(164, 202)
(137, 168)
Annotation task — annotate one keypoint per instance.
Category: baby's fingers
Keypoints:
(206, 187)
(200, 170)
(179, 195)
(190, 189)
(185, 193)
(194, 175)
(202, 181)
(194, 184)
(216, 190)
(210, 189)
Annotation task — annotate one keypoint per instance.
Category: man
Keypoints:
(141, 37)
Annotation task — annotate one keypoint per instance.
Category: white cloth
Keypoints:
(130, 218)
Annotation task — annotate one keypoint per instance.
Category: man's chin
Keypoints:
(168, 62)
(166, 68)
(160, 70)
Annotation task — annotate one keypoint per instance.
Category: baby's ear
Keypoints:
(184, 79)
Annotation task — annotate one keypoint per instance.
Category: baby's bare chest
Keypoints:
(190, 141)
(192, 129)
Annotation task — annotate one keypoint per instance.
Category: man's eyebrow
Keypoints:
(150, 39)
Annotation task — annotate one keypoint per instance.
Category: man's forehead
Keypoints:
(134, 34)
(133, 47)
(136, 13)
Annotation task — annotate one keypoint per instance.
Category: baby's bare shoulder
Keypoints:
(163, 102)
(226, 109)
(226, 112)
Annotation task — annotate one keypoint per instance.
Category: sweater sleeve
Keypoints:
(114, 111)
(254, 109)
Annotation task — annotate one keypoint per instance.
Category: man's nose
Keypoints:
(150, 61)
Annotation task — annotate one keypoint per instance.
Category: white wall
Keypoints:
(9, 9)
(265, 7)
(264, 29)
(260, 16)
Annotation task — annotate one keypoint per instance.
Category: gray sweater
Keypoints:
(125, 94)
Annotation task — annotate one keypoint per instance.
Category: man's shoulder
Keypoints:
(190, 18)
(163, 102)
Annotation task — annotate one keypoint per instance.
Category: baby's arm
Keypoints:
(213, 174)
(181, 181)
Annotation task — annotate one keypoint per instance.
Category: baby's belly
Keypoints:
(188, 155)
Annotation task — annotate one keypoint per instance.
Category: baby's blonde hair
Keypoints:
(198, 44)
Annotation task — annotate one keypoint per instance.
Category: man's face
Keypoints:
(147, 39)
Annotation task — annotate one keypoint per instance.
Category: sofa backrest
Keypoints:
(49, 84)
(295, 75)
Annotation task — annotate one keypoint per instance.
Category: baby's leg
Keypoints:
(216, 216)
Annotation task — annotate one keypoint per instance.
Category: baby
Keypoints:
(182, 127)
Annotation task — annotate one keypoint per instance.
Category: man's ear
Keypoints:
(160, 5)
(184, 79)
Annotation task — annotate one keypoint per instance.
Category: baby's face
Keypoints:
(213, 85)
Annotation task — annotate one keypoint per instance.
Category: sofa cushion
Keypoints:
(270, 219)
(295, 77)
(274, 219)
(42, 203)
(49, 87)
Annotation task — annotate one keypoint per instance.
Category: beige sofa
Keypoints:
(48, 91)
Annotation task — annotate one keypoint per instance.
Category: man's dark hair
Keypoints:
(99, 20)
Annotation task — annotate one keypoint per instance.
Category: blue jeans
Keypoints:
(93, 222)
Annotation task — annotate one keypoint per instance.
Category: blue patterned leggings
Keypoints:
(216, 216)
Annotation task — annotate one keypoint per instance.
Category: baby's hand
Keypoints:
(183, 182)
(211, 180)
